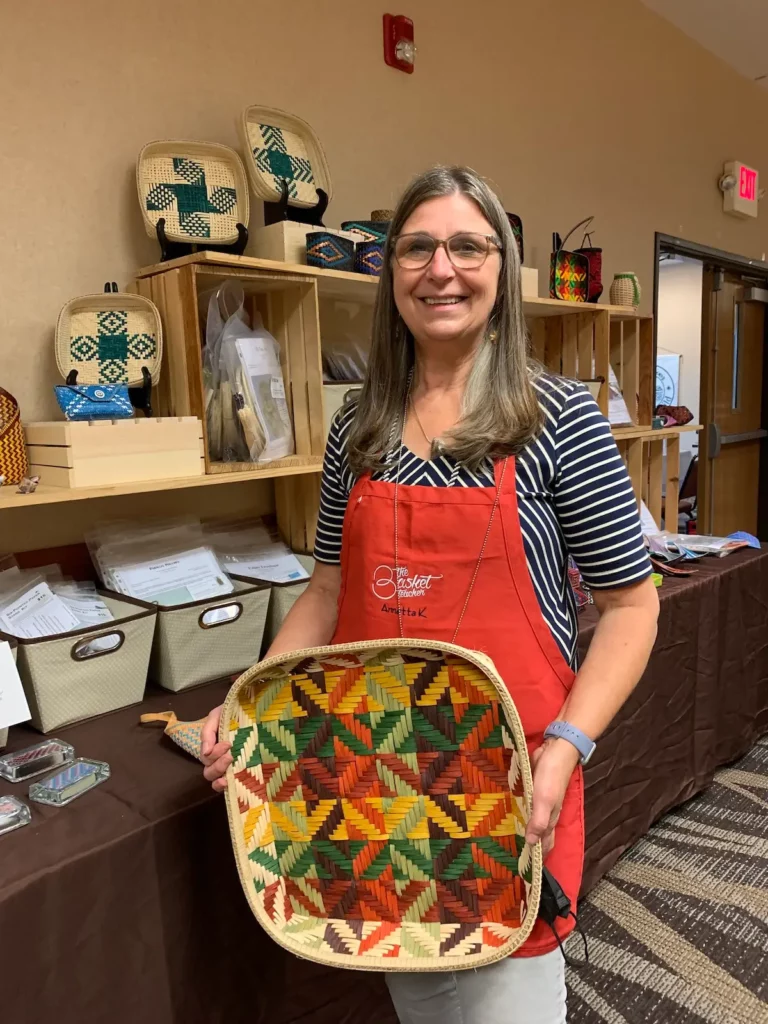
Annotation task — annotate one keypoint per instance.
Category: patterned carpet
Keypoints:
(678, 930)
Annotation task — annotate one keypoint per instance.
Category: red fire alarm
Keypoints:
(399, 51)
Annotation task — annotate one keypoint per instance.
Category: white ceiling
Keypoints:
(735, 30)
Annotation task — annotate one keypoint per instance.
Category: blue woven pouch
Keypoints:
(94, 401)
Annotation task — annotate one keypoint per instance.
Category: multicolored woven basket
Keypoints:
(377, 805)
(198, 188)
(13, 450)
(369, 230)
(568, 276)
(330, 251)
(369, 258)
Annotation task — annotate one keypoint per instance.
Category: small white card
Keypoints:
(13, 702)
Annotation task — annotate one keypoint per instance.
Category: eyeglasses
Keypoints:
(465, 250)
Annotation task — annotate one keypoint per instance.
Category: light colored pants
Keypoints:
(528, 990)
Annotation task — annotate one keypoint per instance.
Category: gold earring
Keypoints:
(493, 336)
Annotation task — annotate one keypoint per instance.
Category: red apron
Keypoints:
(441, 531)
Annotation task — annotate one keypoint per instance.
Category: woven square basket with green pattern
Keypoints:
(377, 803)
(198, 189)
(280, 147)
(109, 338)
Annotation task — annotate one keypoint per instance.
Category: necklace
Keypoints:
(397, 538)
(430, 440)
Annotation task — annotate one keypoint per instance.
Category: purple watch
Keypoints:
(579, 739)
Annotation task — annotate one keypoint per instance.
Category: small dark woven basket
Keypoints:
(369, 258)
(370, 230)
(330, 251)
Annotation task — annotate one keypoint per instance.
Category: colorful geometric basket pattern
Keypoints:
(568, 276)
(281, 155)
(188, 735)
(13, 450)
(111, 346)
(369, 258)
(378, 809)
(197, 198)
(334, 252)
(370, 230)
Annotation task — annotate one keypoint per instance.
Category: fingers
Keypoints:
(216, 751)
(214, 771)
(210, 731)
(547, 844)
(539, 823)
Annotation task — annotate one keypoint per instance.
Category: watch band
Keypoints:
(579, 739)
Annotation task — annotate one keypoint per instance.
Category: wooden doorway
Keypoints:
(732, 363)
(733, 400)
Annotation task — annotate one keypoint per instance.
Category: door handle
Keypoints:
(751, 435)
(714, 439)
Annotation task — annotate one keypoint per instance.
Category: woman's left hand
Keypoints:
(553, 764)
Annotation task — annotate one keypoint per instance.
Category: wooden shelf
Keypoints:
(539, 307)
(648, 433)
(331, 284)
(295, 465)
(346, 287)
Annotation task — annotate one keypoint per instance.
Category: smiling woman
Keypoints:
(453, 492)
(451, 276)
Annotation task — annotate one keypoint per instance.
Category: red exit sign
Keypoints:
(747, 183)
(742, 198)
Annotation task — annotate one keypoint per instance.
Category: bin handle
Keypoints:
(82, 650)
(234, 610)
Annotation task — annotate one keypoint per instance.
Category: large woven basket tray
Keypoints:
(108, 338)
(377, 805)
(199, 188)
(281, 147)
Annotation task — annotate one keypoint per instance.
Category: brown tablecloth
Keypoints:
(126, 906)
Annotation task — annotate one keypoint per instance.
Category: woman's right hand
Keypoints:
(215, 755)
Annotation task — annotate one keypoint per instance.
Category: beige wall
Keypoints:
(594, 108)
(679, 330)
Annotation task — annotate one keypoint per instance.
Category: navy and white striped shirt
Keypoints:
(574, 497)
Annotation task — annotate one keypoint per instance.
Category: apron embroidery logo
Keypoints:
(408, 586)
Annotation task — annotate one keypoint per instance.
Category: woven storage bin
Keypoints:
(369, 258)
(108, 338)
(15, 653)
(330, 251)
(13, 450)
(281, 599)
(281, 147)
(66, 680)
(188, 652)
(199, 188)
(368, 230)
(377, 802)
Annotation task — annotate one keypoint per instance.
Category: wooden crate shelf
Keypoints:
(632, 362)
(652, 458)
(290, 467)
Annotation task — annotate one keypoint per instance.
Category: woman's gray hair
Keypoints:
(500, 412)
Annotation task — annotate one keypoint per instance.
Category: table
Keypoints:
(126, 906)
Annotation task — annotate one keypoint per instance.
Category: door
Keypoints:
(733, 332)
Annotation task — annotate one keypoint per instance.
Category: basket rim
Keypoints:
(362, 963)
(163, 147)
(262, 189)
(96, 302)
